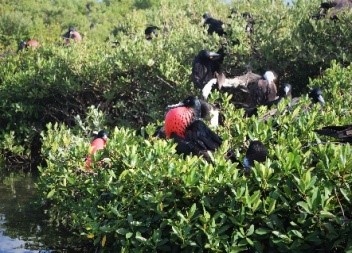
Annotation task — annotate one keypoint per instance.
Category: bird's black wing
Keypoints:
(184, 146)
(201, 73)
(201, 135)
(343, 133)
(215, 26)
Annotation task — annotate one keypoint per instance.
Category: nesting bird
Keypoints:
(28, 44)
(256, 151)
(247, 16)
(332, 8)
(214, 25)
(285, 91)
(264, 90)
(253, 90)
(316, 95)
(151, 31)
(205, 66)
(72, 34)
(183, 123)
(341, 133)
(250, 22)
(98, 143)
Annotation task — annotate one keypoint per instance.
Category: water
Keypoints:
(23, 224)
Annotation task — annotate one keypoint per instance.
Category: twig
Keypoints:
(338, 200)
(167, 83)
(326, 142)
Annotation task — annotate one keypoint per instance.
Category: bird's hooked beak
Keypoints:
(205, 18)
(321, 100)
(286, 90)
(213, 55)
(175, 105)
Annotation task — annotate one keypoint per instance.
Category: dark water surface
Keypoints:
(23, 224)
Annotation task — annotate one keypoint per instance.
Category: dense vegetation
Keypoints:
(144, 197)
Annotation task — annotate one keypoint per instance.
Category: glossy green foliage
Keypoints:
(141, 196)
(144, 197)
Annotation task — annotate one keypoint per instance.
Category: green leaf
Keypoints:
(140, 237)
(51, 193)
(297, 233)
(326, 214)
(304, 205)
(345, 195)
(250, 230)
(262, 231)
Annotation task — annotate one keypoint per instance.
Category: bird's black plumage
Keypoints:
(316, 95)
(151, 31)
(22, 45)
(214, 25)
(285, 91)
(205, 65)
(265, 90)
(199, 139)
(198, 132)
(256, 151)
(103, 134)
(332, 8)
(246, 16)
(342, 133)
(31, 43)
(257, 91)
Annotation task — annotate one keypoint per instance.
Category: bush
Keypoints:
(144, 197)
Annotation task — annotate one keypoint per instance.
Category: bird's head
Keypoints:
(285, 90)
(256, 151)
(22, 45)
(103, 134)
(270, 76)
(316, 95)
(190, 102)
(206, 16)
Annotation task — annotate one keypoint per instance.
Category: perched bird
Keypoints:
(214, 25)
(151, 31)
(264, 90)
(204, 67)
(72, 34)
(252, 90)
(316, 95)
(98, 143)
(285, 91)
(28, 44)
(250, 22)
(342, 133)
(247, 16)
(183, 123)
(256, 151)
(332, 8)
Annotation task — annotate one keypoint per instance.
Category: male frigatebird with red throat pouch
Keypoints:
(97, 143)
(183, 124)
